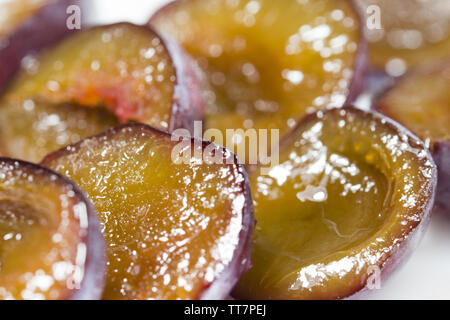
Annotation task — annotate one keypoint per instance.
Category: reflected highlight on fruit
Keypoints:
(174, 231)
(406, 33)
(349, 194)
(51, 246)
(421, 102)
(269, 62)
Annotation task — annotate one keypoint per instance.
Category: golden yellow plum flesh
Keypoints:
(421, 102)
(350, 191)
(50, 241)
(174, 230)
(269, 62)
(406, 33)
(32, 130)
(125, 68)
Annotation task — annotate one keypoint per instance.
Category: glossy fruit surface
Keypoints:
(421, 102)
(349, 193)
(269, 62)
(51, 245)
(174, 231)
(125, 68)
(31, 130)
(406, 33)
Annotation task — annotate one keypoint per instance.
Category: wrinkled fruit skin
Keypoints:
(348, 202)
(45, 28)
(144, 193)
(72, 234)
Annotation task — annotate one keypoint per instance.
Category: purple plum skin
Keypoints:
(44, 28)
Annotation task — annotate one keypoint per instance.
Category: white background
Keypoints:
(426, 275)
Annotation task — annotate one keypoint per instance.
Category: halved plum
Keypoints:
(351, 192)
(26, 27)
(128, 69)
(269, 62)
(421, 102)
(51, 245)
(406, 33)
(34, 129)
(176, 229)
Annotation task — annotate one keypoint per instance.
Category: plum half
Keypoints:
(26, 27)
(406, 33)
(51, 245)
(421, 102)
(269, 62)
(107, 74)
(351, 192)
(176, 226)
(128, 69)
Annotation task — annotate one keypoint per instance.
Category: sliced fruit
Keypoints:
(406, 33)
(269, 62)
(421, 102)
(351, 191)
(125, 68)
(26, 27)
(51, 245)
(175, 230)
(32, 130)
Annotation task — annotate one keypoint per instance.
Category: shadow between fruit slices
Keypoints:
(52, 247)
(421, 102)
(174, 229)
(351, 192)
(269, 62)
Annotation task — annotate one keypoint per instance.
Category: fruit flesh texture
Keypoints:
(32, 129)
(42, 230)
(350, 189)
(421, 102)
(122, 67)
(171, 229)
(13, 13)
(413, 31)
(268, 62)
